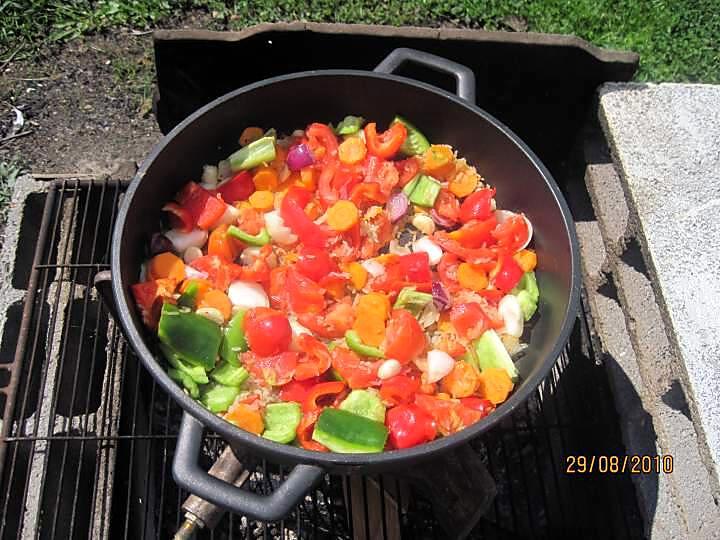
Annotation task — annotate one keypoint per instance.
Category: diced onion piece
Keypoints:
(229, 217)
(297, 330)
(397, 206)
(440, 220)
(434, 251)
(512, 315)
(440, 296)
(504, 215)
(439, 364)
(159, 243)
(210, 175)
(211, 313)
(278, 231)
(192, 273)
(395, 248)
(299, 156)
(389, 368)
(247, 294)
(183, 240)
(192, 253)
(248, 256)
(374, 268)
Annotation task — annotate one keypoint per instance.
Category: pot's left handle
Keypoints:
(188, 475)
(103, 285)
(464, 76)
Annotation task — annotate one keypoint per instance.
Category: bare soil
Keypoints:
(87, 103)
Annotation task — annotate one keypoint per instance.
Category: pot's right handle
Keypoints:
(463, 75)
(188, 475)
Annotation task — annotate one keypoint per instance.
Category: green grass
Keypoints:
(677, 40)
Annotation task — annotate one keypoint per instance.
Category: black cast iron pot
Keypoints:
(289, 101)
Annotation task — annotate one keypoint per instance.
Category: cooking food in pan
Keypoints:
(341, 288)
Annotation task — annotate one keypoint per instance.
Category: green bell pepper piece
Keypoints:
(415, 143)
(229, 375)
(234, 341)
(196, 373)
(365, 403)
(185, 380)
(254, 154)
(218, 397)
(259, 239)
(410, 186)
(425, 191)
(192, 337)
(343, 431)
(281, 421)
(349, 125)
(354, 343)
(189, 297)
(528, 294)
(491, 353)
(412, 300)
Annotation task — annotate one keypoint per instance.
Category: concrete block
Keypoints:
(665, 142)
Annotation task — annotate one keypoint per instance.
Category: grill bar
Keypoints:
(81, 406)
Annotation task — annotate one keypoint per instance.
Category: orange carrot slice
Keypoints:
(342, 216)
(166, 265)
(262, 200)
(352, 151)
(495, 385)
(266, 178)
(472, 276)
(218, 300)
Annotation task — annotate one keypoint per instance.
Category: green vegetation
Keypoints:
(9, 171)
(677, 40)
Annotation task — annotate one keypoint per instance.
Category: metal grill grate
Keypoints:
(88, 438)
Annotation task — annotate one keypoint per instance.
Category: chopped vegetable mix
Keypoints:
(349, 289)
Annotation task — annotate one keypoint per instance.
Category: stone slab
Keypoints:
(665, 140)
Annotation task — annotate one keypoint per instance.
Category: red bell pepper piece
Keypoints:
(305, 429)
(304, 295)
(238, 188)
(315, 263)
(180, 218)
(298, 390)
(399, 389)
(477, 205)
(484, 406)
(408, 169)
(319, 390)
(321, 135)
(469, 320)
(409, 425)
(292, 210)
(386, 144)
(367, 194)
(404, 337)
(447, 205)
(149, 297)
(509, 274)
(327, 192)
(481, 255)
(512, 233)
(204, 207)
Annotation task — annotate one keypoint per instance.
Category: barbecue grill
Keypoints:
(89, 438)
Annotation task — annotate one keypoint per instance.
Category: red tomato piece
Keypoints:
(409, 425)
(180, 218)
(204, 207)
(277, 290)
(267, 331)
(399, 389)
(447, 270)
(477, 205)
(481, 255)
(315, 263)
(217, 269)
(321, 135)
(447, 205)
(297, 390)
(408, 169)
(381, 172)
(326, 190)
(367, 194)
(448, 413)
(512, 233)
(321, 390)
(416, 267)
(293, 213)
(275, 370)
(469, 320)
(386, 144)
(481, 405)
(314, 361)
(476, 233)
(238, 188)
(404, 337)
(357, 373)
(337, 320)
(304, 295)
(509, 274)
(149, 297)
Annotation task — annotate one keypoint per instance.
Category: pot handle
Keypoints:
(103, 285)
(188, 475)
(463, 75)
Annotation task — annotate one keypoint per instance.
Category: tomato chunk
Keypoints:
(404, 337)
(267, 331)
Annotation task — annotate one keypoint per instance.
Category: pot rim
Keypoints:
(287, 453)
